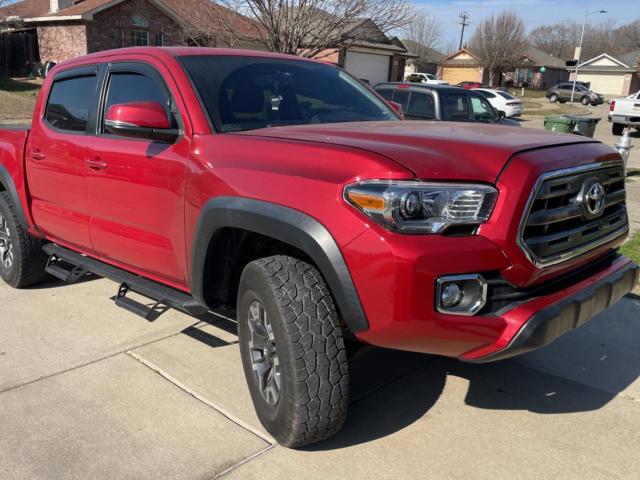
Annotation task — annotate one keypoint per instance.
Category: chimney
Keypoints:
(57, 5)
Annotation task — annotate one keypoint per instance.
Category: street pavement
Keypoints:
(90, 391)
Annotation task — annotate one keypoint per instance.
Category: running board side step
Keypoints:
(61, 257)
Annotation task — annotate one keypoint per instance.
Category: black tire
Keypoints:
(617, 128)
(306, 342)
(585, 101)
(27, 260)
(501, 115)
(553, 98)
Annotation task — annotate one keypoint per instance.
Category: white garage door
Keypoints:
(609, 83)
(368, 66)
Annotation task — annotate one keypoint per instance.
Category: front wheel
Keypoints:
(585, 101)
(22, 260)
(292, 350)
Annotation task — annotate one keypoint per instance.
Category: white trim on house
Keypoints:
(56, 18)
(604, 55)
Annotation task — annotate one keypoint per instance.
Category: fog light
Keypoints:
(451, 295)
(461, 294)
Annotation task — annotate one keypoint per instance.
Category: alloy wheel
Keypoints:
(263, 353)
(6, 245)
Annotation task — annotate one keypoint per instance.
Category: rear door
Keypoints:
(137, 199)
(55, 157)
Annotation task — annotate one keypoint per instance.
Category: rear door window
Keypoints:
(421, 106)
(456, 108)
(69, 103)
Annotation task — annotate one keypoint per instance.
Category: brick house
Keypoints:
(535, 69)
(68, 28)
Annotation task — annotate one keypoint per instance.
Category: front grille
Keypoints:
(560, 223)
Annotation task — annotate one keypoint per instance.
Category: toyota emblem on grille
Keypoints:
(593, 199)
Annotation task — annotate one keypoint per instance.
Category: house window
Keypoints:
(139, 21)
(159, 42)
(524, 75)
(139, 38)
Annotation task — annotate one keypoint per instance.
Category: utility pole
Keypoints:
(464, 16)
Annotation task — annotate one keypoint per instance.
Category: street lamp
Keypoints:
(575, 78)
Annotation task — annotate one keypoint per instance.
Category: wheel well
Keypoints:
(229, 251)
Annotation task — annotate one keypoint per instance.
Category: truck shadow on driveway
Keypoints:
(580, 372)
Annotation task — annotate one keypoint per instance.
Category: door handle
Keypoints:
(96, 164)
(37, 154)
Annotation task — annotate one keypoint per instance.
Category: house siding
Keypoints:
(112, 28)
(62, 41)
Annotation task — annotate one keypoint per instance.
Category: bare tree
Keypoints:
(424, 29)
(627, 37)
(208, 24)
(450, 47)
(558, 40)
(312, 27)
(499, 42)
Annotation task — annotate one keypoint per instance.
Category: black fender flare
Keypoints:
(10, 188)
(286, 225)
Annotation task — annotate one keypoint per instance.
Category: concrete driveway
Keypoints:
(89, 391)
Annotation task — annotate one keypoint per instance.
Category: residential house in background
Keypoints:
(536, 69)
(426, 59)
(56, 30)
(369, 54)
(64, 29)
(611, 75)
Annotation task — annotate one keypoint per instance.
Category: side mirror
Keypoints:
(397, 107)
(146, 120)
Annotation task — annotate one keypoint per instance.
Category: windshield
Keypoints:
(246, 93)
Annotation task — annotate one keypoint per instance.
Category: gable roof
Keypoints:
(608, 63)
(469, 59)
(426, 54)
(542, 59)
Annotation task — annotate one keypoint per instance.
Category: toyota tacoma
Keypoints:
(289, 191)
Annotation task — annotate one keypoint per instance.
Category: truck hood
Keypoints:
(431, 150)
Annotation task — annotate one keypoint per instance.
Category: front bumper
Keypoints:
(396, 277)
(574, 310)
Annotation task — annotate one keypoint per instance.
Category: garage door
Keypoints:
(368, 66)
(455, 75)
(610, 83)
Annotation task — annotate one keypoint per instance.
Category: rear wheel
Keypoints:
(292, 350)
(617, 128)
(22, 260)
(553, 98)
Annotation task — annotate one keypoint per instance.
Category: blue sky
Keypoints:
(532, 12)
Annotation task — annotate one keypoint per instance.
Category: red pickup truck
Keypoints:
(286, 189)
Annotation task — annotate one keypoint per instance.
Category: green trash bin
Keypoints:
(559, 123)
(585, 126)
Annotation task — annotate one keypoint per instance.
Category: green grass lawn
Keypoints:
(632, 248)
(22, 87)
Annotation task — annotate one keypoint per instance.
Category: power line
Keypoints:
(464, 16)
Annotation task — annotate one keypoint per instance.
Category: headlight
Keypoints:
(421, 207)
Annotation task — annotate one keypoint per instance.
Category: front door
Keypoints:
(136, 188)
